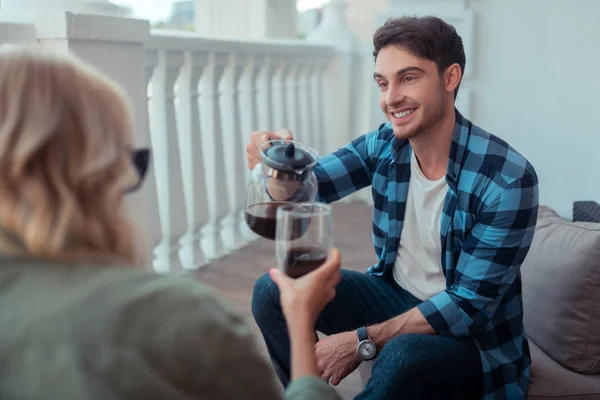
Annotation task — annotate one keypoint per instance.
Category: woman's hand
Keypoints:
(303, 299)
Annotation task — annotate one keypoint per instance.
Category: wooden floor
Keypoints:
(234, 276)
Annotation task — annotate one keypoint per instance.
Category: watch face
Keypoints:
(366, 349)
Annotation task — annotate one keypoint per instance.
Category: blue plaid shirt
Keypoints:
(487, 226)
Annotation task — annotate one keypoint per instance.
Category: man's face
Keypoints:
(412, 93)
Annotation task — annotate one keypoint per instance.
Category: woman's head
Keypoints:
(65, 159)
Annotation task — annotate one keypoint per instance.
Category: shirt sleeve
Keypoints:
(489, 261)
(208, 351)
(346, 170)
(310, 388)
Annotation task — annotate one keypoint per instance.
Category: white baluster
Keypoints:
(163, 133)
(192, 165)
(248, 98)
(154, 224)
(278, 93)
(214, 161)
(248, 92)
(264, 93)
(306, 68)
(318, 103)
(292, 103)
(235, 166)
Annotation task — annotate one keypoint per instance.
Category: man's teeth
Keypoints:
(404, 113)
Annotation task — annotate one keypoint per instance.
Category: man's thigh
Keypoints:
(431, 367)
(363, 299)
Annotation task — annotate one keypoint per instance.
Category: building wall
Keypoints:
(362, 17)
(247, 18)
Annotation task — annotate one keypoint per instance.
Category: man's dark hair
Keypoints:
(426, 37)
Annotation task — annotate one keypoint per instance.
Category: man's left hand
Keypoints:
(337, 357)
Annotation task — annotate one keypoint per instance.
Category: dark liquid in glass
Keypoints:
(300, 261)
(262, 219)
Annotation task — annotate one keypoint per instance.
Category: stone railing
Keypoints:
(205, 97)
(195, 101)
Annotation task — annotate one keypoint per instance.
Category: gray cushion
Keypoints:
(551, 381)
(561, 293)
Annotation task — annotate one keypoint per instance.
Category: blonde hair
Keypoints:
(65, 159)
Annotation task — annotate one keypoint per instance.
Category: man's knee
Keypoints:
(405, 357)
(265, 299)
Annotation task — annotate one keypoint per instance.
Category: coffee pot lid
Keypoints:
(289, 156)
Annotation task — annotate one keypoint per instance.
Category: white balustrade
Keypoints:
(224, 90)
(167, 166)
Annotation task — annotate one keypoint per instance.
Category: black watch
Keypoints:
(366, 347)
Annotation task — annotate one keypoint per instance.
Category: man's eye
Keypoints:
(409, 79)
(382, 84)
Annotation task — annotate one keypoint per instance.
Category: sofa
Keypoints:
(561, 299)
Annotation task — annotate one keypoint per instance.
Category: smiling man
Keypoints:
(455, 212)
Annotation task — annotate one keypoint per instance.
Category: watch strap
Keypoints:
(362, 333)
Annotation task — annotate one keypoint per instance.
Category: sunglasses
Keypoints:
(141, 161)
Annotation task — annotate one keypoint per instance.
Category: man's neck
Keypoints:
(432, 148)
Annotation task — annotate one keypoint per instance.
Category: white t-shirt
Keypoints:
(418, 266)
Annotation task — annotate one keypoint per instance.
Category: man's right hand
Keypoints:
(257, 139)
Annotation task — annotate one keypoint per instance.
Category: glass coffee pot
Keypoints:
(284, 176)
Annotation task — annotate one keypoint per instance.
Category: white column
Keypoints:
(213, 243)
(192, 165)
(342, 98)
(248, 100)
(278, 98)
(264, 94)
(319, 86)
(307, 115)
(292, 103)
(166, 159)
(235, 156)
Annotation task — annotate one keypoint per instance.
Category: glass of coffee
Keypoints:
(304, 237)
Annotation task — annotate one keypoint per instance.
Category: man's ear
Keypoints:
(452, 77)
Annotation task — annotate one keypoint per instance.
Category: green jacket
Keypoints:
(90, 332)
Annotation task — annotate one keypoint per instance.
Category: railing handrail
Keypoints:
(189, 41)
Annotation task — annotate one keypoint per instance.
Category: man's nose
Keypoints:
(394, 96)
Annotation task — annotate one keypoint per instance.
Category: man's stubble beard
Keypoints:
(430, 118)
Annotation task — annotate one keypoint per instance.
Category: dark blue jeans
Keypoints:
(410, 366)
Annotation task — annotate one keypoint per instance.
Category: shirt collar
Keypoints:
(458, 147)
(460, 137)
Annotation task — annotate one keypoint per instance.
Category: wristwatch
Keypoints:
(366, 347)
